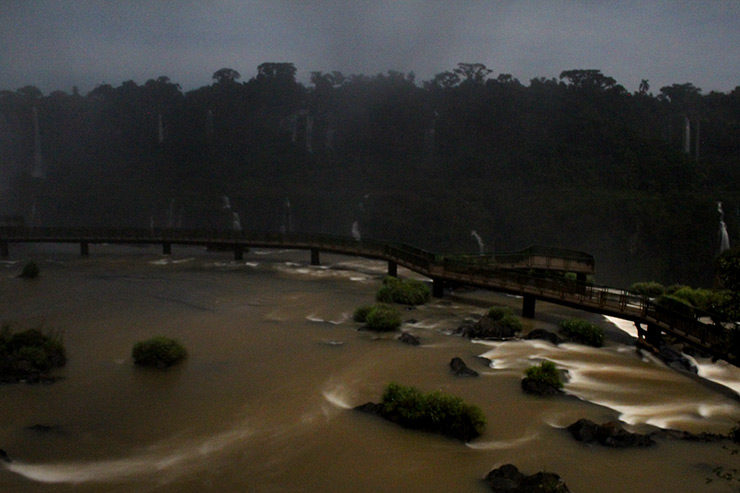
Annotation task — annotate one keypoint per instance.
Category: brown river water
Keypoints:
(263, 402)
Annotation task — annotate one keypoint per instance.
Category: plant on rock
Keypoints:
(582, 331)
(29, 355)
(546, 373)
(403, 291)
(158, 352)
(383, 318)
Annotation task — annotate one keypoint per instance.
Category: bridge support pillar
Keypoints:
(4, 251)
(392, 268)
(528, 303)
(438, 287)
(84, 249)
(166, 248)
(653, 335)
(581, 277)
(238, 252)
(315, 257)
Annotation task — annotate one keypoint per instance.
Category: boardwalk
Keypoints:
(528, 273)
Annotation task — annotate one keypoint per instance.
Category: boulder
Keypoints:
(610, 434)
(486, 328)
(460, 369)
(538, 387)
(676, 360)
(545, 335)
(508, 479)
(409, 338)
(4, 456)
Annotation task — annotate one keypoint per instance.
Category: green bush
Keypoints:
(159, 351)
(383, 318)
(403, 291)
(582, 331)
(676, 305)
(360, 314)
(29, 352)
(546, 372)
(30, 271)
(499, 312)
(510, 324)
(651, 289)
(697, 297)
(437, 412)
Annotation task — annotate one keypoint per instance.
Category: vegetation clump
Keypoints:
(30, 271)
(499, 312)
(360, 314)
(583, 332)
(403, 291)
(29, 355)
(649, 289)
(382, 317)
(158, 352)
(545, 373)
(436, 412)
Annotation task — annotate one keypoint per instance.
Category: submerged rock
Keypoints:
(545, 335)
(4, 456)
(409, 338)
(610, 434)
(508, 479)
(676, 360)
(486, 328)
(460, 369)
(538, 387)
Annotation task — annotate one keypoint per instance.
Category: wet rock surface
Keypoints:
(460, 369)
(508, 479)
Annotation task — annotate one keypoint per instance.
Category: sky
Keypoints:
(58, 44)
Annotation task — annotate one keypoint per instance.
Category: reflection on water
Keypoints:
(263, 402)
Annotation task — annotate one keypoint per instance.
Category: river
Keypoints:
(263, 402)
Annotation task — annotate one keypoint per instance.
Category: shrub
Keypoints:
(651, 289)
(583, 332)
(159, 351)
(30, 271)
(499, 312)
(676, 305)
(546, 372)
(383, 318)
(437, 412)
(405, 292)
(510, 324)
(697, 297)
(29, 353)
(360, 314)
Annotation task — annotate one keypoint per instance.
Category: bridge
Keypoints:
(534, 274)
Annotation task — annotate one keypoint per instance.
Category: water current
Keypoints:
(263, 402)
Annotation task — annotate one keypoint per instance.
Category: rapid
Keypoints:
(264, 401)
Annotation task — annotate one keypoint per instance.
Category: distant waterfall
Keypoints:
(236, 224)
(724, 237)
(287, 224)
(356, 231)
(481, 246)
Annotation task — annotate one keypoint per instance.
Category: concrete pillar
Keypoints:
(438, 287)
(166, 248)
(653, 335)
(528, 306)
(315, 257)
(84, 249)
(4, 251)
(238, 252)
(392, 268)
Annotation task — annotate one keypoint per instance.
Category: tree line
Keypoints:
(575, 161)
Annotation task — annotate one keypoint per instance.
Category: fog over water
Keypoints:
(275, 364)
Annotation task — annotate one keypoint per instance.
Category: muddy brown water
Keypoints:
(263, 402)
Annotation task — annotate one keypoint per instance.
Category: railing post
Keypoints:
(4, 251)
(315, 257)
(528, 303)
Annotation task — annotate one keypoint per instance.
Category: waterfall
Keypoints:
(287, 225)
(38, 162)
(356, 231)
(236, 223)
(226, 202)
(481, 246)
(724, 237)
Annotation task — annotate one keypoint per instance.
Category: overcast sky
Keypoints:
(56, 44)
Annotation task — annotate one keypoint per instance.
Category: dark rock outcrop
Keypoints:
(486, 328)
(4, 456)
(409, 338)
(544, 335)
(508, 479)
(538, 387)
(610, 434)
(460, 369)
(676, 360)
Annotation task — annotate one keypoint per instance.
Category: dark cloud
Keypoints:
(57, 44)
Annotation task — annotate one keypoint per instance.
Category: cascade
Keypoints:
(481, 246)
(724, 237)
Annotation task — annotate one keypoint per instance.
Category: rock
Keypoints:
(4, 456)
(508, 479)
(370, 408)
(486, 328)
(42, 428)
(609, 434)
(676, 360)
(409, 338)
(460, 369)
(545, 335)
(538, 387)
